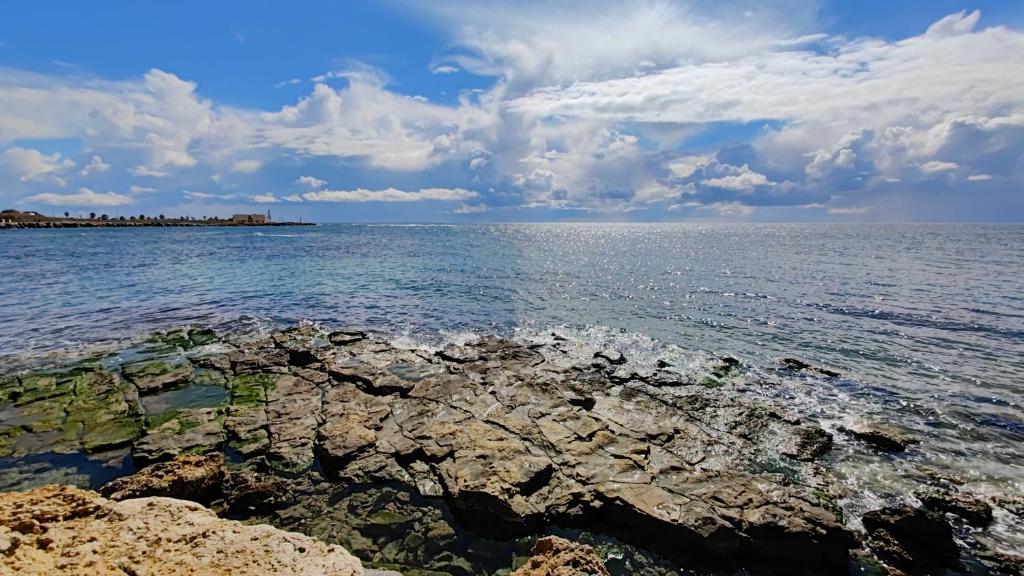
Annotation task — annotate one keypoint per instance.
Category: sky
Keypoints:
(474, 111)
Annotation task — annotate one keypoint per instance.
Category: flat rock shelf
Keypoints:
(454, 461)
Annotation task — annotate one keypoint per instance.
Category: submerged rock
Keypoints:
(57, 529)
(881, 437)
(554, 556)
(911, 539)
(798, 365)
(809, 443)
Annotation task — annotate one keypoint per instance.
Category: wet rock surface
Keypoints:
(973, 510)
(553, 556)
(438, 459)
(912, 540)
(64, 530)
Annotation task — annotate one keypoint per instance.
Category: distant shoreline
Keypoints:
(142, 224)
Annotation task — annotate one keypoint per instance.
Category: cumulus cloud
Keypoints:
(265, 199)
(84, 197)
(95, 166)
(390, 195)
(575, 121)
(568, 44)
(310, 181)
(444, 69)
(136, 189)
(743, 179)
(31, 165)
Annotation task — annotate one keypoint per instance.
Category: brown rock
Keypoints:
(186, 477)
(554, 556)
(63, 530)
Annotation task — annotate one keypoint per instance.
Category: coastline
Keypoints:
(142, 224)
(412, 458)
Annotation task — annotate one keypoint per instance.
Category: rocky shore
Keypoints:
(455, 460)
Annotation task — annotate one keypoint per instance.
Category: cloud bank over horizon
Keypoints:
(744, 111)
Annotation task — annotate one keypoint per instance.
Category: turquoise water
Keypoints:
(925, 322)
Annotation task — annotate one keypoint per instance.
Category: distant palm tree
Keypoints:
(92, 215)
(161, 216)
(67, 214)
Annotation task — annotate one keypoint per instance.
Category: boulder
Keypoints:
(186, 477)
(64, 530)
(554, 556)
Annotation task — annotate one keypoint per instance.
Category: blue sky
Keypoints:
(407, 110)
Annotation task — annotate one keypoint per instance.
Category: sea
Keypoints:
(925, 323)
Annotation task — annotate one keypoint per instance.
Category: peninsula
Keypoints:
(15, 219)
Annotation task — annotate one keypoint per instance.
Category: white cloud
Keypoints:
(84, 197)
(471, 209)
(141, 170)
(197, 195)
(292, 198)
(288, 82)
(742, 182)
(265, 198)
(575, 121)
(246, 166)
(31, 165)
(685, 167)
(568, 44)
(979, 177)
(390, 195)
(136, 189)
(444, 69)
(95, 166)
(310, 181)
(935, 167)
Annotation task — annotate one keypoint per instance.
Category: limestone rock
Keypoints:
(554, 556)
(186, 477)
(193, 430)
(63, 530)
